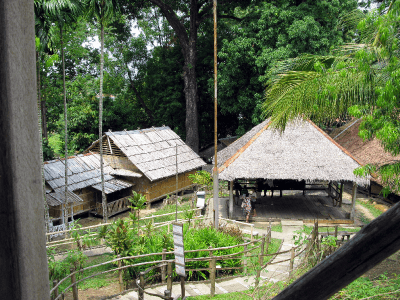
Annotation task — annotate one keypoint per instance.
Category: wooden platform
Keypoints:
(296, 207)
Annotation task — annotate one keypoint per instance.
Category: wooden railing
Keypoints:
(166, 266)
(92, 229)
(114, 207)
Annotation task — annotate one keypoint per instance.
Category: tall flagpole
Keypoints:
(215, 171)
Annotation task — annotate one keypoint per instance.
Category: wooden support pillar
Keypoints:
(353, 201)
(230, 199)
(341, 194)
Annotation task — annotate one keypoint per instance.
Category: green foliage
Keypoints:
(270, 32)
(361, 79)
(202, 178)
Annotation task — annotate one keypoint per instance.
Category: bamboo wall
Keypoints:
(120, 162)
(89, 202)
(156, 189)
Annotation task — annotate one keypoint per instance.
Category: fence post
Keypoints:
(245, 259)
(169, 274)
(251, 232)
(260, 259)
(336, 231)
(55, 282)
(73, 282)
(316, 236)
(268, 240)
(163, 268)
(141, 287)
(291, 262)
(212, 273)
(121, 283)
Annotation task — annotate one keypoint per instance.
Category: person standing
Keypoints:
(246, 205)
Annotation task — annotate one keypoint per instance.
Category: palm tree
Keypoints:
(104, 11)
(361, 79)
(61, 12)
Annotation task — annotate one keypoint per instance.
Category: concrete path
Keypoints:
(273, 273)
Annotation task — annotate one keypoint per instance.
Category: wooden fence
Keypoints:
(88, 229)
(166, 266)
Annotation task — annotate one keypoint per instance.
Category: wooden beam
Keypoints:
(375, 242)
(230, 199)
(353, 201)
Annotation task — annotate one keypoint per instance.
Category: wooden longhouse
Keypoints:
(84, 186)
(302, 157)
(154, 156)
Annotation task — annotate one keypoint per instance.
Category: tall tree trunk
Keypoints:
(64, 207)
(191, 96)
(103, 194)
(188, 44)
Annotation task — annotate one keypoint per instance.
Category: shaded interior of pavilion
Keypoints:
(274, 200)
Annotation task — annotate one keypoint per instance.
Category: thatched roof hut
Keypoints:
(302, 152)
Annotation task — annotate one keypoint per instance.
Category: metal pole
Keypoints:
(176, 198)
(215, 171)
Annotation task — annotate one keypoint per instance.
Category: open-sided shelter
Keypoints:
(302, 152)
(84, 186)
(150, 159)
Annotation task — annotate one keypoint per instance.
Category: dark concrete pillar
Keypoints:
(23, 263)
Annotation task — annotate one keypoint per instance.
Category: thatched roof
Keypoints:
(153, 151)
(83, 171)
(302, 152)
(367, 152)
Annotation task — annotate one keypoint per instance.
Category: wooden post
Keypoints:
(260, 259)
(336, 231)
(74, 286)
(292, 254)
(245, 259)
(341, 194)
(353, 200)
(55, 282)
(163, 268)
(169, 278)
(231, 200)
(251, 233)
(121, 283)
(212, 273)
(182, 287)
(141, 287)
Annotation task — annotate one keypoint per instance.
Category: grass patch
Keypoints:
(100, 280)
(277, 227)
(372, 209)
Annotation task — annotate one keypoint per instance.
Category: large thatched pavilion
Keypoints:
(302, 157)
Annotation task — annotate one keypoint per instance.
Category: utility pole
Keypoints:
(215, 171)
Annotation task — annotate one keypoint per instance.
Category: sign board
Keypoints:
(179, 251)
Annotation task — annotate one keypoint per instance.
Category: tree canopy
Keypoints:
(361, 79)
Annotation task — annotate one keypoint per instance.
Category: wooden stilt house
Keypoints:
(150, 159)
(84, 186)
(301, 157)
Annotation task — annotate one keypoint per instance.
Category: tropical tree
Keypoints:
(360, 79)
(104, 11)
(61, 12)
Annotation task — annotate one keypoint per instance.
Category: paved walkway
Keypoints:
(273, 273)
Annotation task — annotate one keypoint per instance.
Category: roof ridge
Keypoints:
(334, 142)
(241, 150)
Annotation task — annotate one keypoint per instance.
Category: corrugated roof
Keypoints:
(83, 171)
(57, 198)
(153, 151)
(301, 152)
(126, 173)
(113, 185)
